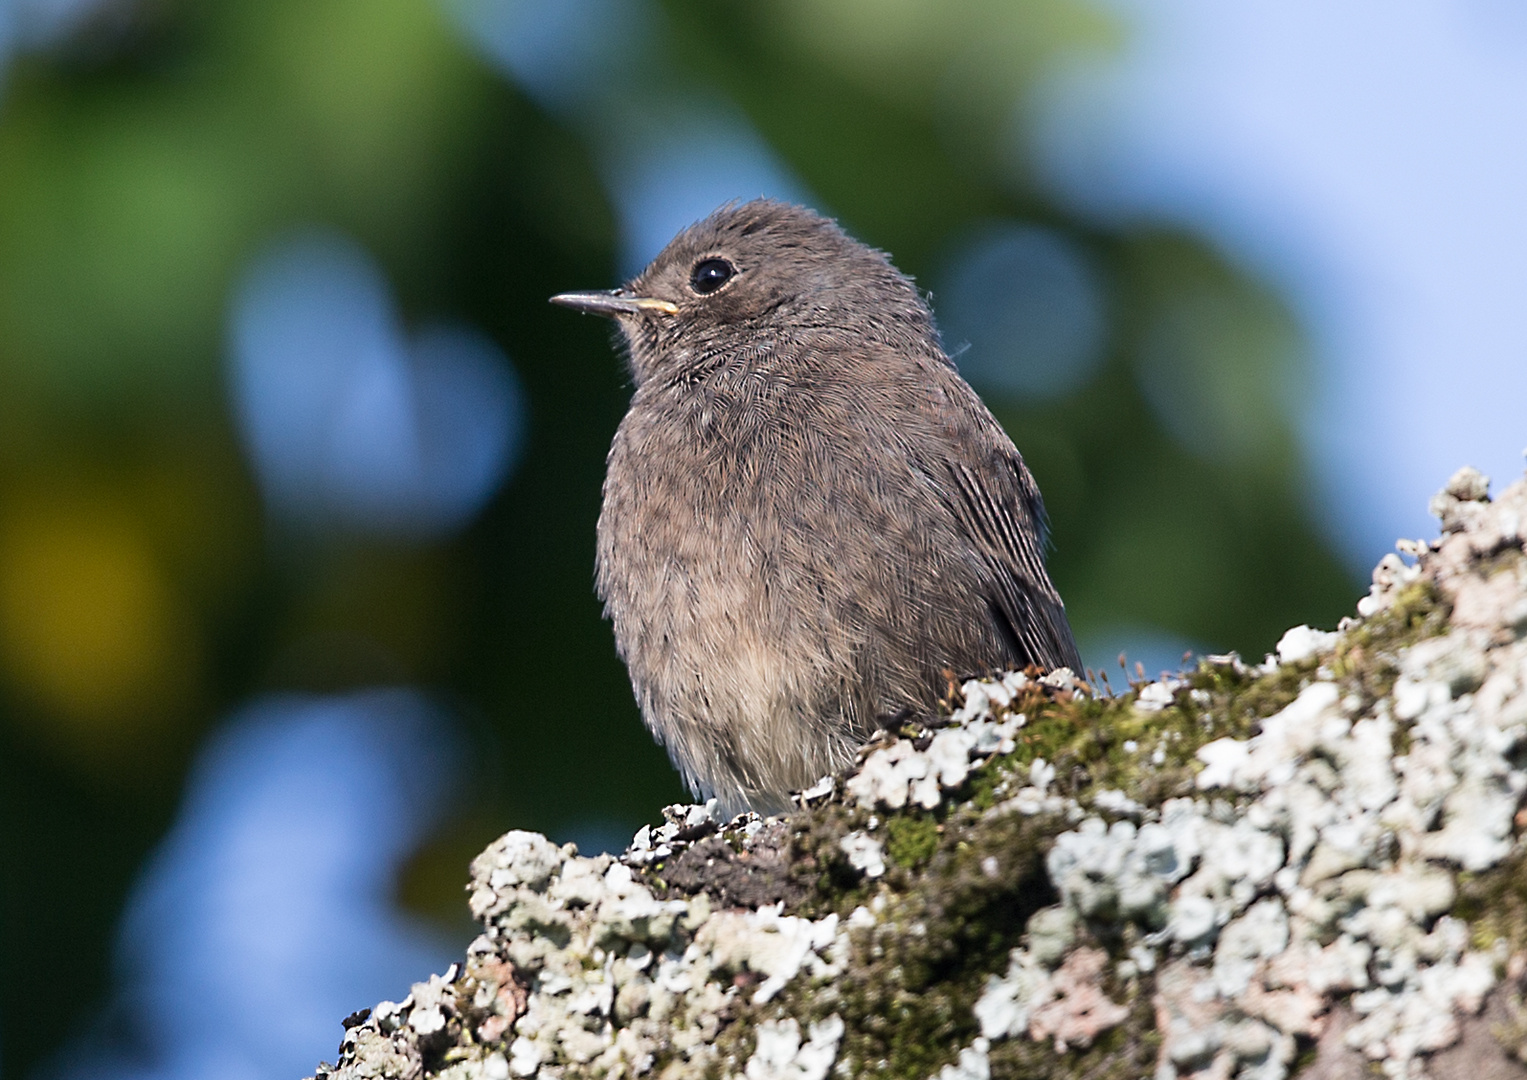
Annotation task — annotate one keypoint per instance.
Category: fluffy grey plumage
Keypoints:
(809, 517)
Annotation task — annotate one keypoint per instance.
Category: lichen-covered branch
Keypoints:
(1312, 866)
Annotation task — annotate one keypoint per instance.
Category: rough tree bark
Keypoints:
(1313, 866)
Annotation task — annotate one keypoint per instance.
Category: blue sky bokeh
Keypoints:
(1367, 160)
(268, 912)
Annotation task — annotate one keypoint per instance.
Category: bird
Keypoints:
(810, 522)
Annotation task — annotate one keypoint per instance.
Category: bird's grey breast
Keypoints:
(696, 481)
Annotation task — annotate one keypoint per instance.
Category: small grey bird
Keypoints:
(809, 518)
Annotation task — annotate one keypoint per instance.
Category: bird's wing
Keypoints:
(984, 485)
(999, 508)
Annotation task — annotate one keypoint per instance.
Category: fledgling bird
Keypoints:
(809, 518)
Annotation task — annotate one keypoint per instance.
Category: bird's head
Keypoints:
(756, 274)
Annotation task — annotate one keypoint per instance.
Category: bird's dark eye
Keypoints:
(710, 274)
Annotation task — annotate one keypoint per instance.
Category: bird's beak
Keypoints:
(614, 302)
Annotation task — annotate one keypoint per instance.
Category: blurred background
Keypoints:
(299, 471)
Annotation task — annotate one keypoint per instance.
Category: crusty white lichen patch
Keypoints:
(905, 773)
(781, 1054)
(1318, 860)
(1297, 881)
(617, 975)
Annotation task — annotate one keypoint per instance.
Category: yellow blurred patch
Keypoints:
(92, 631)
